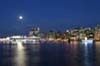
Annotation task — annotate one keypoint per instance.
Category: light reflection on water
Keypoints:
(97, 48)
(50, 54)
(20, 55)
(86, 59)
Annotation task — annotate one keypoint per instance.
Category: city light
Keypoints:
(84, 35)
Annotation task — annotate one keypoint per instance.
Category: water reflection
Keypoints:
(20, 55)
(89, 54)
(74, 55)
(33, 54)
(86, 60)
(50, 54)
(97, 48)
(5, 55)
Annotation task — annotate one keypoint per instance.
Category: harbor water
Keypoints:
(50, 54)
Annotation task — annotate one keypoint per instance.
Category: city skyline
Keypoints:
(53, 14)
(49, 32)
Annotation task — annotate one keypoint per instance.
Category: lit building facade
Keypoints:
(74, 34)
(51, 35)
(35, 32)
(97, 33)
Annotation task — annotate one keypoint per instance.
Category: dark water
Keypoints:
(50, 54)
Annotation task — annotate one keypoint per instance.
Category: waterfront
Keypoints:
(50, 54)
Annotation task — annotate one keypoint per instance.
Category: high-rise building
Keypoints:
(89, 33)
(97, 33)
(51, 34)
(58, 35)
(67, 34)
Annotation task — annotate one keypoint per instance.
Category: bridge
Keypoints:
(22, 39)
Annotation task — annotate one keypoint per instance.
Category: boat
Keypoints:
(87, 40)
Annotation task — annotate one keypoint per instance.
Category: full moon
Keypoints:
(20, 17)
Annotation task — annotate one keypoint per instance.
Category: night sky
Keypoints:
(47, 14)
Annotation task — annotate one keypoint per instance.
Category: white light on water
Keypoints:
(20, 58)
(20, 46)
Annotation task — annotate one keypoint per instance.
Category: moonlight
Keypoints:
(20, 17)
